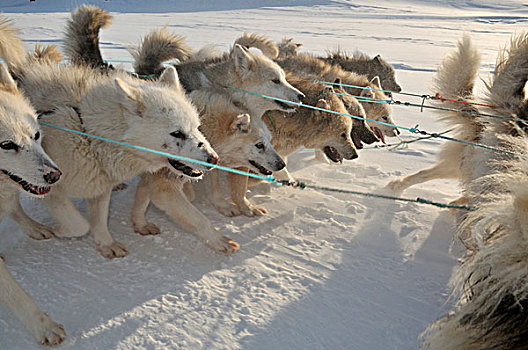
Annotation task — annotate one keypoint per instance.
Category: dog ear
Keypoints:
(338, 81)
(376, 82)
(377, 59)
(243, 60)
(298, 45)
(241, 123)
(130, 96)
(321, 104)
(170, 78)
(6, 78)
(367, 93)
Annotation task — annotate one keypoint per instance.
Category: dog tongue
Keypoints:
(379, 134)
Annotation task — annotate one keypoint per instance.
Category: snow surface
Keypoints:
(321, 270)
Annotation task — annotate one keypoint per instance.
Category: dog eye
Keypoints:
(276, 81)
(343, 135)
(8, 145)
(259, 145)
(178, 134)
(385, 118)
(37, 135)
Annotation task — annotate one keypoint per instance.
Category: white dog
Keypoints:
(25, 167)
(155, 115)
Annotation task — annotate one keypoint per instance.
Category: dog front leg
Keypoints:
(139, 209)
(43, 329)
(98, 218)
(441, 170)
(238, 185)
(70, 223)
(34, 229)
(178, 207)
(224, 206)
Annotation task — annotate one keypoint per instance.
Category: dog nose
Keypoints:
(52, 176)
(300, 96)
(280, 164)
(397, 132)
(213, 159)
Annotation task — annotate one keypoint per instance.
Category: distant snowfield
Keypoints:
(321, 270)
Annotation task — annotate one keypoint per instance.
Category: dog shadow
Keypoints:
(379, 296)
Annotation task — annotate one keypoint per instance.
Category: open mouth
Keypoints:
(185, 169)
(30, 188)
(357, 141)
(260, 168)
(379, 133)
(332, 154)
(285, 106)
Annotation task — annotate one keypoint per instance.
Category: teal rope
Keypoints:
(413, 130)
(409, 104)
(303, 185)
(168, 155)
(300, 185)
(323, 109)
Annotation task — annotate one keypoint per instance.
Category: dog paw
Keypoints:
(225, 245)
(48, 332)
(41, 232)
(396, 186)
(253, 210)
(120, 187)
(228, 209)
(113, 250)
(148, 229)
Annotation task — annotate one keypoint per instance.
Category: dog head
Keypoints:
(259, 74)
(288, 47)
(248, 146)
(332, 130)
(23, 162)
(160, 117)
(380, 112)
(386, 71)
(361, 131)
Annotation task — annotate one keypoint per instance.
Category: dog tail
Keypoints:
(455, 80)
(81, 42)
(207, 52)
(493, 282)
(505, 90)
(268, 47)
(288, 47)
(155, 48)
(11, 49)
(47, 54)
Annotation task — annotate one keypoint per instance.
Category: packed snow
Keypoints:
(322, 270)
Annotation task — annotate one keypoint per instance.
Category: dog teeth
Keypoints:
(26, 185)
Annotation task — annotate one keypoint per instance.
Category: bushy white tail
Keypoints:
(455, 79)
(11, 49)
(267, 46)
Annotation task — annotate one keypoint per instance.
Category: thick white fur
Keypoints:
(117, 107)
(18, 124)
(492, 283)
(454, 80)
(240, 69)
